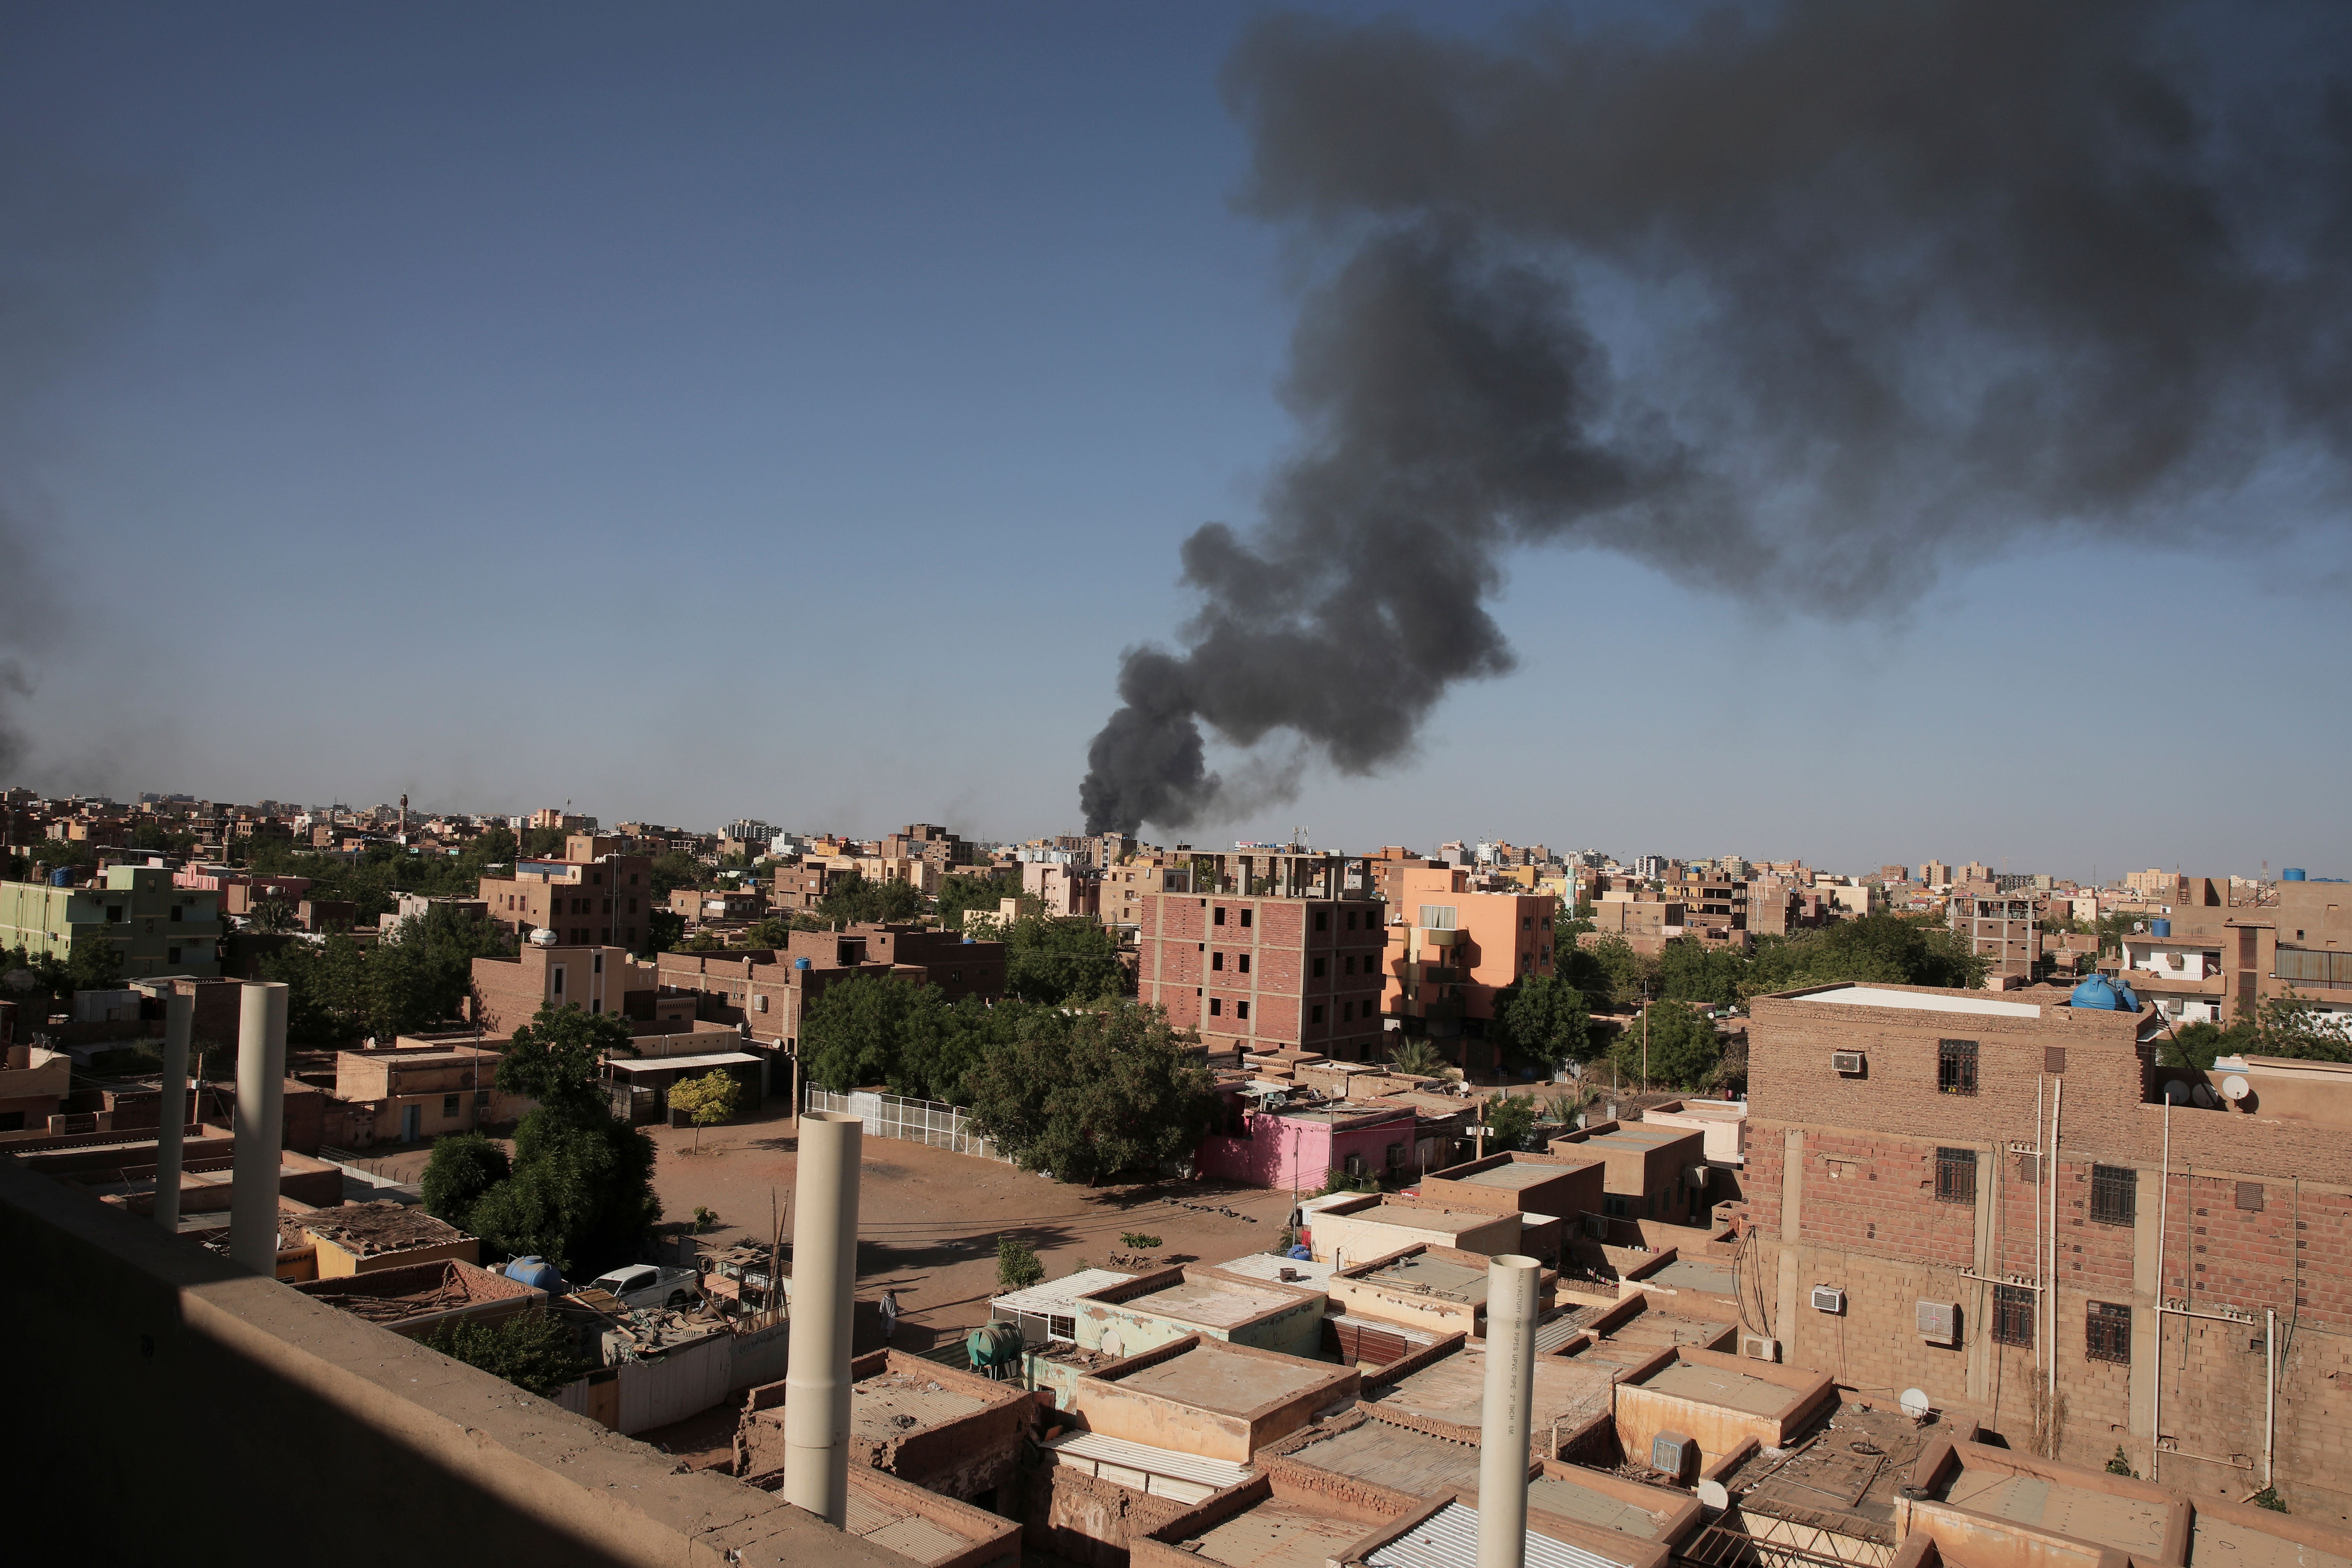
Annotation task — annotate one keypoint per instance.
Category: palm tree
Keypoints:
(1418, 1058)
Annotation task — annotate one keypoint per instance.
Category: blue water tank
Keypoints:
(1302, 1255)
(799, 963)
(63, 876)
(537, 1273)
(967, 941)
(2105, 996)
(2292, 874)
(2159, 928)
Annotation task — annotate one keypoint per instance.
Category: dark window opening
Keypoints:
(1241, 1010)
(1315, 1015)
(1216, 961)
(2012, 1315)
(1244, 963)
(1319, 968)
(1322, 921)
(448, 1106)
(1955, 1066)
(1216, 1006)
(1956, 1175)
(2114, 1192)
(1245, 917)
(2108, 1333)
(1218, 917)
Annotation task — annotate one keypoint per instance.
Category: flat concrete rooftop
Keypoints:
(2132, 1524)
(1210, 1377)
(1423, 1219)
(1438, 1277)
(1696, 1274)
(1277, 1533)
(1573, 1500)
(2218, 1543)
(1398, 1458)
(1635, 1135)
(1513, 1177)
(1213, 1304)
(886, 1409)
(1715, 1385)
(1453, 1388)
(1918, 1000)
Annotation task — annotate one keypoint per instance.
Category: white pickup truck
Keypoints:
(651, 1285)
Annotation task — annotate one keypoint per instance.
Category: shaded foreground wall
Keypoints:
(171, 1405)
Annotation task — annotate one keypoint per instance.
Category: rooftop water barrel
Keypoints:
(2105, 996)
(2292, 874)
(799, 963)
(536, 1273)
(2159, 928)
(994, 1344)
(63, 876)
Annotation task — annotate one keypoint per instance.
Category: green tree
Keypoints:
(957, 894)
(706, 1100)
(674, 869)
(464, 1166)
(582, 1195)
(1690, 971)
(544, 842)
(770, 932)
(1017, 1267)
(2292, 1025)
(1883, 949)
(852, 1033)
(1096, 1095)
(557, 1059)
(536, 1352)
(1685, 1050)
(1418, 1058)
(853, 900)
(275, 917)
(1543, 1021)
(94, 965)
(1053, 960)
(1512, 1121)
(1609, 972)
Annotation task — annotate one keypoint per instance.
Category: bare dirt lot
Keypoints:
(928, 1220)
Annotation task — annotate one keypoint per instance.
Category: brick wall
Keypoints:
(1841, 1189)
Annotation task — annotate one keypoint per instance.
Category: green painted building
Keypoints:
(159, 928)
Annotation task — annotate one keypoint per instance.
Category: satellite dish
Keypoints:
(1914, 1403)
(2201, 1095)
(1110, 1344)
(2234, 1088)
(1712, 1494)
(2175, 1092)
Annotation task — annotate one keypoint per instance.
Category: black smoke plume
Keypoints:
(1798, 304)
(80, 248)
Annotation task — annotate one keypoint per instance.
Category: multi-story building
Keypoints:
(1063, 891)
(600, 979)
(1267, 971)
(1935, 874)
(153, 926)
(593, 897)
(802, 886)
(1457, 950)
(924, 841)
(1119, 894)
(2225, 949)
(1715, 906)
(2004, 1202)
(1999, 930)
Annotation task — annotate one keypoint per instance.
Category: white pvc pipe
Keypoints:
(1504, 1417)
(179, 1022)
(2050, 1296)
(825, 1276)
(257, 1127)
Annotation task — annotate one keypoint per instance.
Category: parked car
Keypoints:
(650, 1285)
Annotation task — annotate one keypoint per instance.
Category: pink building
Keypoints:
(1300, 1148)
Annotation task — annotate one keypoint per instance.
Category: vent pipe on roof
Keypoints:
(1505, 1416)
(179, 1021)
(258, 1125)
(825, 1275)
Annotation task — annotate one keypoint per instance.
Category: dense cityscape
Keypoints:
(655, 664)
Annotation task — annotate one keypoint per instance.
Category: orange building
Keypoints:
(1458, 949)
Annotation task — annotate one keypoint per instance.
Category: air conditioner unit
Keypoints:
(1674, 1454)
(1596, 1226)
(1939, 1322)
(1828, 1298)
(1757, 1347)
(1847, 1062)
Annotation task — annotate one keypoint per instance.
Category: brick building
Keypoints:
(594, 896)
(599, 978)
(1998, 930)
(1265, 972)
(801, 887)
(2224, 949)
(1985, 1197)
(923, 841)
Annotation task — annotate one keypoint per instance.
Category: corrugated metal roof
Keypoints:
(1117, 1451)
(1054, 1296)
(1449, 1539)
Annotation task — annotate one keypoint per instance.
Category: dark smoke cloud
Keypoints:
(80, 249)
(1799, 305)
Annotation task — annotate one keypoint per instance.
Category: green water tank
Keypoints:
(994, 1344)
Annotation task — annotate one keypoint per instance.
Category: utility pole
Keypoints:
(1645, 1037)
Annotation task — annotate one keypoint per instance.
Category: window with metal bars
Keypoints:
(2114, 1191)
(2012, 1315)
(1955, 1066)
(2108, 1333)
(1956, 1175)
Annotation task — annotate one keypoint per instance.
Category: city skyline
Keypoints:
(821, 403)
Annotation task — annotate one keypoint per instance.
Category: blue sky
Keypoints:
(723, 410)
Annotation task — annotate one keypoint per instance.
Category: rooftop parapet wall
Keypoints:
(143, 1333)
